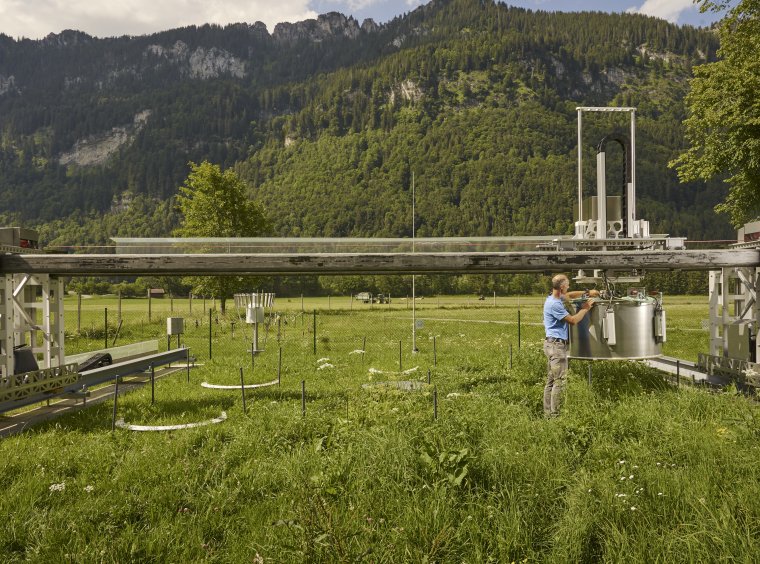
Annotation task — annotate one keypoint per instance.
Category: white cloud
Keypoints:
(136, 17)
(670, 10)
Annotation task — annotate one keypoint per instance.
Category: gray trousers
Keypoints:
(556, 355)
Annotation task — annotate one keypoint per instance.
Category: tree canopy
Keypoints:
(213, 203)
(723, 123)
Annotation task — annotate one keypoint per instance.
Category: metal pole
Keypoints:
(510, 356)
(435, 402)
(152, 384)
(279, 367)
(105, 325)
(435, 353)
(580, 166)
(242, 388)
(118, 311)
(399, 356)
(115, 396)
(150, 305)
(188, 365)
(209, 333)
(190, 302)
(171, 304)
(678, 373)
(428, 376)
(494, 298)
(301, 303)
(315, 331)
(303, 398)
(519, 330)
(168, 342)
(79, 312)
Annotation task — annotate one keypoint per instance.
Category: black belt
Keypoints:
(556, 340)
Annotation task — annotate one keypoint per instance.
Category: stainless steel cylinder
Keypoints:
(619, 329)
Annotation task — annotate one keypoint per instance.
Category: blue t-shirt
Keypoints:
(554, 315)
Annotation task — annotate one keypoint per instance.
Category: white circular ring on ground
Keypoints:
(122, 425)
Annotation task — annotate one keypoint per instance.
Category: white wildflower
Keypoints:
(410, 370)
(375, 371)
(621, 461)
(630, 477)
(659, 494)
(621, 495)
(321, 360)
(633, 508)
(326, 365)
(89, 489)
(453, 395)
(357, 351)
(57, 487)
(622, 478)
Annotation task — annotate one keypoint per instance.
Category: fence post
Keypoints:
(303, 398)
(79, 312)
(105, 325)
(150, 303)
(190, 301)
(279, 367)
(152, 384)
(171, 304)
(435, 402)
(315, 331)
(210, 328)
(399, 356)
(118, 311)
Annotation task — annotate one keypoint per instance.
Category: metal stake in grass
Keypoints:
(315, 331)
(435, 354)
(188, 364)
(510, 356)
(428, 376)
(519, 330)
(209, 331)
(242, 388)
(115, 400)
(279, 367)
(153, 384)
(399, 356)
(435, 403)
(303, 398)
(105, 324)
(678, 373)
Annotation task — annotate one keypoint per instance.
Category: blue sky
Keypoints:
(104, 18)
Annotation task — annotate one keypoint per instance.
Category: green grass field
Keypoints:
(633, 470)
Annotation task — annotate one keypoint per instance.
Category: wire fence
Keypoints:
(396, 335)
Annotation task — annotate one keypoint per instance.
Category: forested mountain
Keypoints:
(329, 120)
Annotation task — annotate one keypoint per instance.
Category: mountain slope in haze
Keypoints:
(329, 120)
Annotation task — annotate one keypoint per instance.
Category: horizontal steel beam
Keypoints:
(375, 263)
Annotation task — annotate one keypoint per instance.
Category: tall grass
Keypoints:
(633, 469)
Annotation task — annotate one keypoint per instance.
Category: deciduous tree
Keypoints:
(214, 203)
(723, 126)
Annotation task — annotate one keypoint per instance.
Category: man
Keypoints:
(556, 322)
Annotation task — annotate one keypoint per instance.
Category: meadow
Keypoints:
(633, 470)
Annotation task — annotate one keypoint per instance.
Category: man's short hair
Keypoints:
(558, 280)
